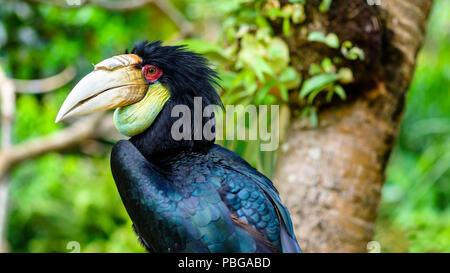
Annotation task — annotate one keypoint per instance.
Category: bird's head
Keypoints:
(140, 84)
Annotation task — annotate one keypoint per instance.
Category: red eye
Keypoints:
(151, 73)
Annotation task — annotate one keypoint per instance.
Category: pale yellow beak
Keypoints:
(115, 82)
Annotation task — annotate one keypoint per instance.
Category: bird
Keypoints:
(185, 195)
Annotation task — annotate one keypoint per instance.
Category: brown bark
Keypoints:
(331, 177)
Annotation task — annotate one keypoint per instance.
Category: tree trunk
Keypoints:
(331, 177)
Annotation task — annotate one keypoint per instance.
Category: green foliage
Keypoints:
(314, 85)
(254, 38)
(254, 64)
(330, 40)
(56, 199)
(324, 78)
(258, 73)
(325, 5)
(417, 192)
(352, 52)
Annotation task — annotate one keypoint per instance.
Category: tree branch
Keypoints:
(45, 85)
(73, 135)
(165, 6)
(8, 97)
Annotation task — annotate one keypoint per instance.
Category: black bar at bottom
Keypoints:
(219, 262)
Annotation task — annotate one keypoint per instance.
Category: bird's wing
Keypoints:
(237, 184)
(192, 218)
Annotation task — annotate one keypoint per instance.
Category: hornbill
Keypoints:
(187, 195)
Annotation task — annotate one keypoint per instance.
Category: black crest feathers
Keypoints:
(187, 74)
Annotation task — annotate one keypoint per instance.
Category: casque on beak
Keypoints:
(115, 82)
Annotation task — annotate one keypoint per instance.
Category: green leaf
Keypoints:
(347, 44)
(311, 112)
(298, 14)
(303, 2)
(262, 23)
(314, 69)
(314, 118)
(261, 67)
(327, 65)
(287, 10)
(203, 47)
(317, 36)
(286, 26)
(270, 99)
(274, 13)
(332, 40)
(262, 93)
(251, 55)
(290, 78)
(357, 53)
(352, 53)
(278, 54)
(313, 95)
(330, 94)
(227, 78)
(228, 6)
(263, 34)
(317, 82)
(284, 92)
(241, 77)
(339, 90)
(305, 111)
(345, 75)
(325, 6)
(245, 79)
(235, 97)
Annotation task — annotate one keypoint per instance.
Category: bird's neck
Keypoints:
(162, 138)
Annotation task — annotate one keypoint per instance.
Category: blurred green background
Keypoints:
(58, 198)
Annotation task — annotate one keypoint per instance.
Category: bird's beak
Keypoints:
(115, 82)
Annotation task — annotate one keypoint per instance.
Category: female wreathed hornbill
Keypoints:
(187, 195)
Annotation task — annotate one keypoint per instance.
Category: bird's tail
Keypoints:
(288, 244)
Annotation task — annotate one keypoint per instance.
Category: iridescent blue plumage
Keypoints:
(200, 202)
